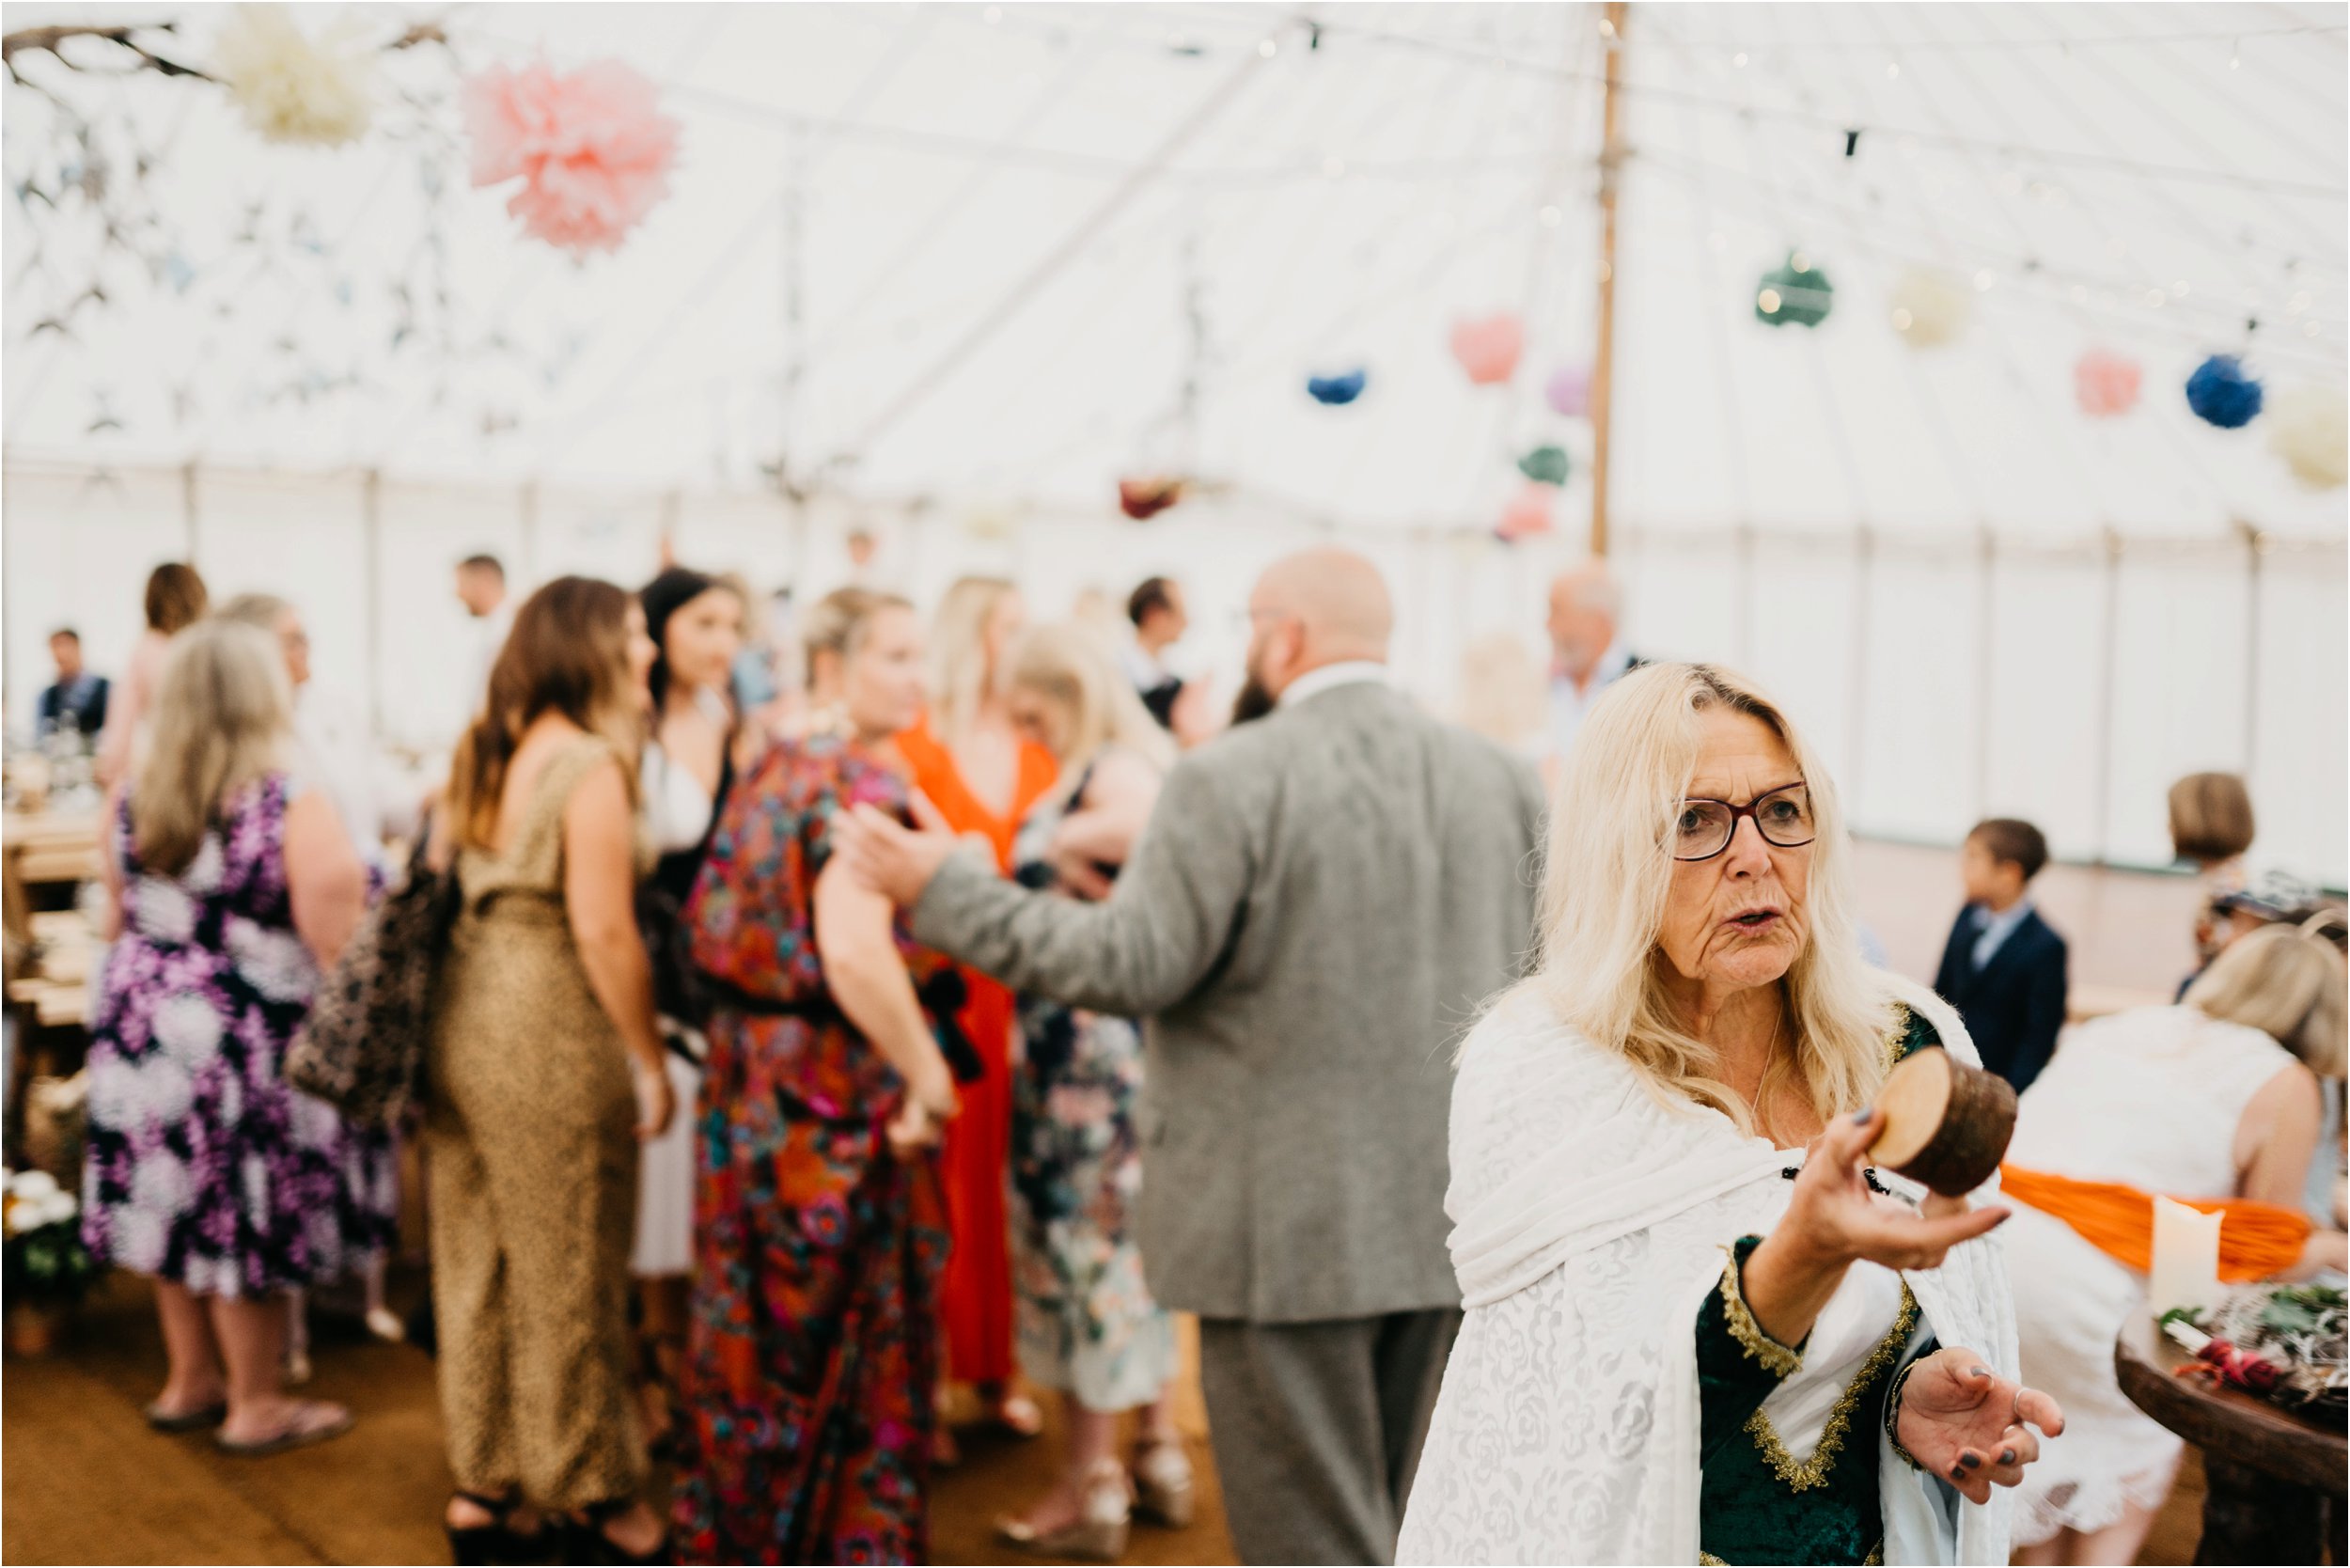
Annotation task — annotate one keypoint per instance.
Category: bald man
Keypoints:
(1588, 654)
(1319, 905)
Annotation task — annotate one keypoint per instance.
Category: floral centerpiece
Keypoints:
(48, 1269)
(2283, 1343)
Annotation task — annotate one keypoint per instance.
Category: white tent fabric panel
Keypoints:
(2181, 628)
(2045, 671)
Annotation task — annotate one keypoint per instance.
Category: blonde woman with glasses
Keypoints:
(1700, 1328)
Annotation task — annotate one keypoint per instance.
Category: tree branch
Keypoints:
(46, 39)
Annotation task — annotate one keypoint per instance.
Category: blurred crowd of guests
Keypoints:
(788, 1052)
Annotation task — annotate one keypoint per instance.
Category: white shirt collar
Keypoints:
(1346, 673)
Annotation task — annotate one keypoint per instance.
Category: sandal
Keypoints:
(313, 1423)
(496, 1541)
(585, 1540)
(1163, 1491)
(1099, 1531)
(1018, 1415)
(197, 1420)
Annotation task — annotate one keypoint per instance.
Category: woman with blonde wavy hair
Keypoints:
(231, 887)
(1700, 1328)
(969, 762)
(1087, 1326)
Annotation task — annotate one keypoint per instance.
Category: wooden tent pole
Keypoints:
(1604, 360)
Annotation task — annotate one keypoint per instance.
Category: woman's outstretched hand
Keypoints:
(1833, 1220)
(1833, 1216)
(1968, 1425)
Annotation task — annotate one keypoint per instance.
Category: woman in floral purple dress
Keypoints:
(231, 888)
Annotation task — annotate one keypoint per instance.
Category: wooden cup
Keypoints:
(1943, 1123)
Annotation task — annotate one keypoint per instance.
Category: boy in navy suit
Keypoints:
(2004, 966)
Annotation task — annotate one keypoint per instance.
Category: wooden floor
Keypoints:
(82, 1479)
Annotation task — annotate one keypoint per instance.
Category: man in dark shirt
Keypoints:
(78, 700)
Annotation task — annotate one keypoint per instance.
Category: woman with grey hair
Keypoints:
(1699, 1326)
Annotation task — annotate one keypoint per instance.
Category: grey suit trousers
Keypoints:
(1317, 1429)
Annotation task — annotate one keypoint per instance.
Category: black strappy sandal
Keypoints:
(496, 1543)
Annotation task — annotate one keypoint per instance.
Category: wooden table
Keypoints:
(52, 846)
(2273, 1475)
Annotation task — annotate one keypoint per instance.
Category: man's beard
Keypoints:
(1254, 701)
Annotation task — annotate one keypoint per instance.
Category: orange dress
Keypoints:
(975, 1296)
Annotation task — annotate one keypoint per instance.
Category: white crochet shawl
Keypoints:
(1589, 1223)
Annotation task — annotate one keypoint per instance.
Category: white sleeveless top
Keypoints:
(2151, 1097)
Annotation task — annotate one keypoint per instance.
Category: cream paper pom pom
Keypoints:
(2309, 428)
(290, 89)
(1930, 307)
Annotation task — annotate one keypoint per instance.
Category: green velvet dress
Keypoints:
(1757, 1503)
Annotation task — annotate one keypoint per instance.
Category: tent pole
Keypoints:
(188, 506)
(1604, 360)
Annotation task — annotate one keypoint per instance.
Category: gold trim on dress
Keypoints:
(1900, 1037)
(1777, 1358)
(1809, 1474)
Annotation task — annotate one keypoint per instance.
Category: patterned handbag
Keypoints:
(362, 1048)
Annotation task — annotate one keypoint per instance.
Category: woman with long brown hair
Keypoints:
(543, 1071)
(176, 600)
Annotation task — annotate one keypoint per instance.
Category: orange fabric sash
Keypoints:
(2256, 1240)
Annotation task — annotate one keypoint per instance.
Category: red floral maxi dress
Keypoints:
(806, 1413)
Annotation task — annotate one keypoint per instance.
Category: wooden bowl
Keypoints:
(1943, 1123)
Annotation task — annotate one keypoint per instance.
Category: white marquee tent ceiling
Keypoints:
(972, 251)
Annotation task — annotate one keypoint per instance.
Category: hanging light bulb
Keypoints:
(1892, 68)
(1267, 48)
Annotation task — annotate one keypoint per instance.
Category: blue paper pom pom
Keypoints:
(1336, 391)
(2221, 394)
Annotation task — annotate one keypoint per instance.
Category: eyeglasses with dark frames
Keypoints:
(1782, 816)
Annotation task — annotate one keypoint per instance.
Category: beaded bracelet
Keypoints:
(1894, 1413)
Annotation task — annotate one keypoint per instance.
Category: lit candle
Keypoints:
(2185, 1270)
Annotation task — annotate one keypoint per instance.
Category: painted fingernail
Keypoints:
(1972, 1460)
(2007, 1456)
(1861, 1117)
(1958, 1472)
(1977, 1371)
(2005, 1215)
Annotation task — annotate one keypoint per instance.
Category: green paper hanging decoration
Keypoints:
(1545, 465)
(1798, 292)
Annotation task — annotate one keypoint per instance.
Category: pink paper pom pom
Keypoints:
(1529, 513)
(1488, 348)
(592, 148)
(1569, 391)
(2105, 384)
